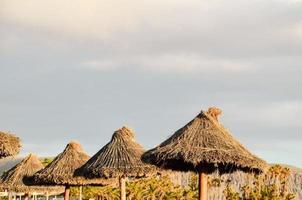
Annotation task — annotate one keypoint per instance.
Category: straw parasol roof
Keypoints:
(120, 157)
(9, 145)
(61, 170)
(15, 178)
(204, 145)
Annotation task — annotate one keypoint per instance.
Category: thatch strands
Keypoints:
(204, 146)
(61, 170)
(9, 145)
(15, 178)
(120, 158)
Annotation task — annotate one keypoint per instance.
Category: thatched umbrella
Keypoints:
(61, 170)
(120, 158)
(203, 146)
(14, 180)
(9, 145)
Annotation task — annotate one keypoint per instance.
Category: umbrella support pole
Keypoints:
(81, 189)
(46, 196)
(26, 196)
(202, 186)
(123, 187)
(9, 196)
(67, 192)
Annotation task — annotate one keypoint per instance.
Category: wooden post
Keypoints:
(26, 196)
(46, 196)
(80, 196)
(123, 188)
(67, 192)
(202, 186)
(9, 196)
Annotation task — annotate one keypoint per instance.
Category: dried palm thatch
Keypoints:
(15, 178)
(9, 145)
(204, 145)
(61, 170)
(120, 157)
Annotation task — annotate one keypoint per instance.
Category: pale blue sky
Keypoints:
(78, 70)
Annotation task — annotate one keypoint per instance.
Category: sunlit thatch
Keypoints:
(61, 170)
(203, 145)
(120, 157)
(15, 179)
(9, 145)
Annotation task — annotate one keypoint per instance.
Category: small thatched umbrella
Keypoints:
(14, 180)
(61, 170)
(120, 158)
(204, 146)
(9, 145)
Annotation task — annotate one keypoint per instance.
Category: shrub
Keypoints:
(272, 185)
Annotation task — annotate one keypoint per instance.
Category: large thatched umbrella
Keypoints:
(120, 158)
(9, 145)
(14, 180)
(203, 146)
(61, 170)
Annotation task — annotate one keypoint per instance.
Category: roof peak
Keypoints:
(74, 145)
(214, 112)
(124, 132)
(29, 158)
(31, 155)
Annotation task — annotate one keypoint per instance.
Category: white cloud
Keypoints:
(297, 31)
(279, 113)
(162, 36)
(91, 18)
(191, 63)
(178, 63)
(103, 19)
(291, 1)
(245, 54)
(98, 65)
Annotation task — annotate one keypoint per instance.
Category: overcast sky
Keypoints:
(78, 70)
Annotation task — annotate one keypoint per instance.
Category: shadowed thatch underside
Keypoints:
(9, 145)
(61, 170)
(120, 157)
(204, 145)
(15, 178)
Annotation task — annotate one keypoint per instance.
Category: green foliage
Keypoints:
(147, 189)
(46, 161)
(103, 193)
(270, 186)
(4, 198)
(158, 188)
